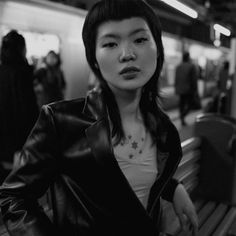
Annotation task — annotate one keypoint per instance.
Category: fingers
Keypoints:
(193, 219)
(194, 222)
(189, 221)
(183, 221)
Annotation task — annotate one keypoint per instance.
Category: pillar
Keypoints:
(232, 73)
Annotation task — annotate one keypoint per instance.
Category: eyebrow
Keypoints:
(113, 35)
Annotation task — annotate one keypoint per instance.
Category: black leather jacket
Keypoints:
(70, 150)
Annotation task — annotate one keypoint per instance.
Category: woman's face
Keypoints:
(126, 53)
(51, 59)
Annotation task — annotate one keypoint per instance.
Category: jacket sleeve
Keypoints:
(174, 145)
(169, 190)
(30, 180)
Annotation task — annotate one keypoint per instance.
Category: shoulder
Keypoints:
(65, 107)
(89, 106)
(167, 126)
(6, 68)
(192, 66)
(67, 104)
(172, 135)
(170, 127)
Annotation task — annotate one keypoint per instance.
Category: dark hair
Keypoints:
(57, 56)
(13, 49)
(226, 65)
(186, 56)
(116, 10)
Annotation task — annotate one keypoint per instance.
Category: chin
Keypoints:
(133, 87)
(129, 86)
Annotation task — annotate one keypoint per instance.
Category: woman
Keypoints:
(49, 80)
(111, 156)
(18, 107)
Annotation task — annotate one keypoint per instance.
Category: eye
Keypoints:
(109, 45)
(141, 40)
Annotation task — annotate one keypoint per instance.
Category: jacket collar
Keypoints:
(98, 133)
(94, 106)
(96, 109)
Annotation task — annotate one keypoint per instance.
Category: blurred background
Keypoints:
(56, 25)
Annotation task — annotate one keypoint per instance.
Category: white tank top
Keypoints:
(140, 170)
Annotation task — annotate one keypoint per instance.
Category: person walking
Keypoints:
(111, 156)
(223, 77)
(186, 86)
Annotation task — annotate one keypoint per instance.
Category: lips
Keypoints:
(129, 70)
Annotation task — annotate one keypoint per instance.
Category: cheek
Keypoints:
(150, 60)
(105, 64)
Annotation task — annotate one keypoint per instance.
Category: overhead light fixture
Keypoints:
(182, 7)
(221, 29)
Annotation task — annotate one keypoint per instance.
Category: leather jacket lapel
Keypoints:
(124, 201)
(94, 106)
(98, 133)
(98, 137)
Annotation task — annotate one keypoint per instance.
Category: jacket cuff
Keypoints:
(169, 190)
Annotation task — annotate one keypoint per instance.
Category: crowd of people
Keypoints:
(110, 156)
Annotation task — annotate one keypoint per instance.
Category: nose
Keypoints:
(127, 54)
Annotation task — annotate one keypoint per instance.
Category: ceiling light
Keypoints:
(221, 29)
(181, 7)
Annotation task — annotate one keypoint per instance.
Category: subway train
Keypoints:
(53, 26)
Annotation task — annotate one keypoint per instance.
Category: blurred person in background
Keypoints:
(110, 156)
(219, 102)
(223, 77)
(186, 77)
(18, 107)
(49, 80)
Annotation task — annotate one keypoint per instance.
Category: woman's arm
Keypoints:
(185, 210)
(30, 180)
(175, 191)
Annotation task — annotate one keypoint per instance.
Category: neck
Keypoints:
(128, 104)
